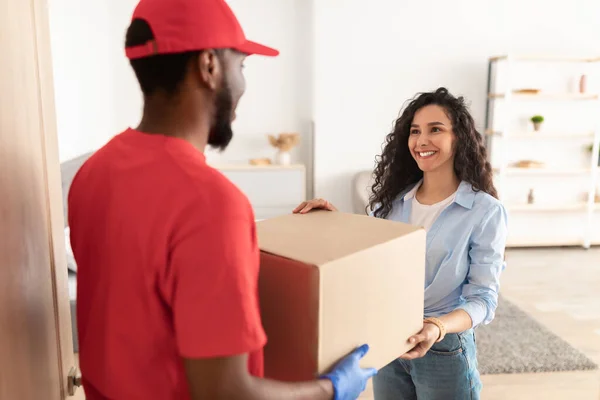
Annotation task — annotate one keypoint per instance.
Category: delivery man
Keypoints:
(165, 245)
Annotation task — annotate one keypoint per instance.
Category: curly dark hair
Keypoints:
(396, 169)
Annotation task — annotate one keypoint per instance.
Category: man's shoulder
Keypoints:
(94, 161)
(98, 158)
(209, 187)
(209, 179)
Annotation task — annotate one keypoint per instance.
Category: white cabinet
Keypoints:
(273, 190)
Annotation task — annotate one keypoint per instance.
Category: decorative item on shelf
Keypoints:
(582, 83)
(284, 142)
(260, 161)
(597, 196)
(530, 197)
(589, 149)
(537, 122)
(529, 164)
(526, 91)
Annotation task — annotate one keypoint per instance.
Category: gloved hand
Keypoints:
(348, 378)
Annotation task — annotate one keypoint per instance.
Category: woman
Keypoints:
(434, 173)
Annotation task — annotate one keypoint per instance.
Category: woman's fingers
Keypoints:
(300, 207)
(416, 339)
(417, 352)
(329, 206)
(306, 206)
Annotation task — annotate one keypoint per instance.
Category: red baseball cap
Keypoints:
(190, 25)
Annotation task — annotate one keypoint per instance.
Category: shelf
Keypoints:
(582, 206)
(544, 171)
(542, 135)
(249, 167)
(542, 57)
(547, 96)
(548, 207)
(544, 241)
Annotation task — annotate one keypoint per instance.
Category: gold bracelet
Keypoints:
(437, 322)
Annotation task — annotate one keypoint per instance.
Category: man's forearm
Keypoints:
(227, 378)
(266, 389)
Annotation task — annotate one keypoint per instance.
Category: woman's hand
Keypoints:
(422, 341)
(314, 204)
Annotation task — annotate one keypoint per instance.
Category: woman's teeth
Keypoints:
(426, 153)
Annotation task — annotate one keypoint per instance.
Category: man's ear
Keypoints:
(210, 68)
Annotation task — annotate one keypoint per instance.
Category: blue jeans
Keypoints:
(447, 372)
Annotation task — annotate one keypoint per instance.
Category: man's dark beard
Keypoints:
(221, 133)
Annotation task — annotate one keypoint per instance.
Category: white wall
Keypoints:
(347, 64)
(83, 74)
(279, 94)
(97, 95)
(370, 59)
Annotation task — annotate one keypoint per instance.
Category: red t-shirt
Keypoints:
(167, 260)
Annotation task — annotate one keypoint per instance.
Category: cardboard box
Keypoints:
(331, 281)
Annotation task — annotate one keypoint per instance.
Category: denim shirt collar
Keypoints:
(465, 195)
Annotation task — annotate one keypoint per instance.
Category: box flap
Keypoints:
(319, 237)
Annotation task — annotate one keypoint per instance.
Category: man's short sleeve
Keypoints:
(213, 288)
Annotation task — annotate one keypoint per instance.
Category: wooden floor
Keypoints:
(561, 289)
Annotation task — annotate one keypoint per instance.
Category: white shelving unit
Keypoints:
(564, 212)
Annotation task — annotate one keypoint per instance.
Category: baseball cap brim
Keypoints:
(250, 47)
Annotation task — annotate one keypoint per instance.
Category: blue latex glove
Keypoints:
(348, 378)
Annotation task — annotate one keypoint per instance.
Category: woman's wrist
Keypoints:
(441, 327)
(432, 332)
(457, 321)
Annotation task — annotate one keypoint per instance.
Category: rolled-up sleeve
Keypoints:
(486, 254)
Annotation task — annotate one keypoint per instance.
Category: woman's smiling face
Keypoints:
(431, 139)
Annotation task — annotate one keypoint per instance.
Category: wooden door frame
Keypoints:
(53, 189)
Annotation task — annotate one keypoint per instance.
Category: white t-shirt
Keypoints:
(425, 215)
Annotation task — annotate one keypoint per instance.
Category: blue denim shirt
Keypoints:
(465, 254)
